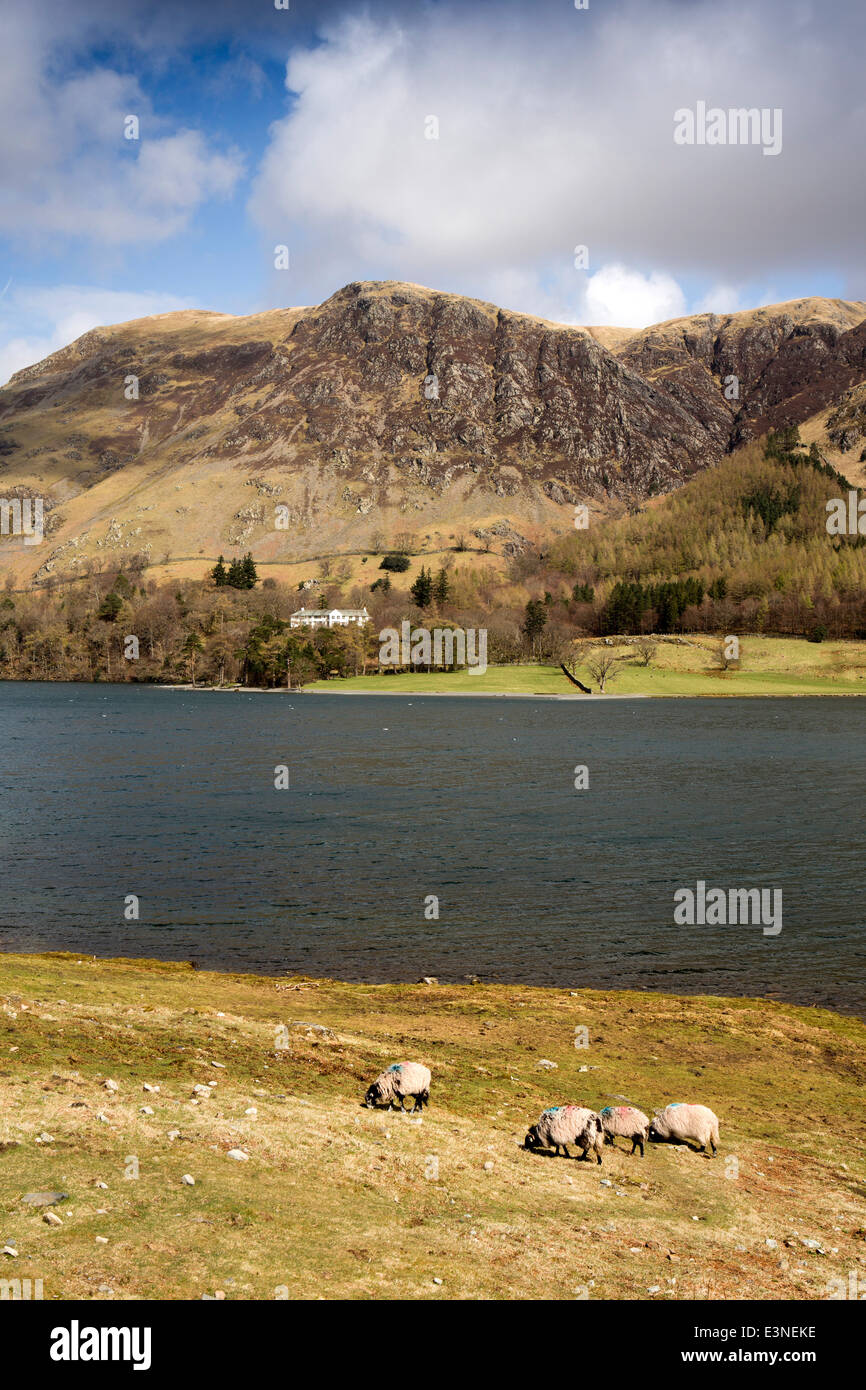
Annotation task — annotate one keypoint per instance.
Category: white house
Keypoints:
(334, 617)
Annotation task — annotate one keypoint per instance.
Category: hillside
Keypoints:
(335, 1201)
(392, 414)
(741, 548)
(749, 535)
(789, 362)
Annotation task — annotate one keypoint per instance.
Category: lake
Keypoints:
(113, 791)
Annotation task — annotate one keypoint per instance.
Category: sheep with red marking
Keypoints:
(562, 1125)
(626, 1121)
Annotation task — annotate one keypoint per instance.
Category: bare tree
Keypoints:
(727, 653)
(600, 662)
(646, 651)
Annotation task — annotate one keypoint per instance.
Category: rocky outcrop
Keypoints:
(743, 374)
(391, 401)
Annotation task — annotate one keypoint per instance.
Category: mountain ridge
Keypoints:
(850, 313)
(393, 411)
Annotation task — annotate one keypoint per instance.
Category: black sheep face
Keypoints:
(373, 1096)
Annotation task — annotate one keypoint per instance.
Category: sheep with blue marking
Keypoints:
(400, 1080)
(626, 1121)
(685, 1124)
(562, 1125)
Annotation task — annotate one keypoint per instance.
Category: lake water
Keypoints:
(109, 791)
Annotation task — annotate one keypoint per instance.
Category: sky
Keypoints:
(523, 153)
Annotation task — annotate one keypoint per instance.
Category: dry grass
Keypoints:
(337, 1201)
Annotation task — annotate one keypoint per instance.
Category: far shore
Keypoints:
(682, 667)
(677, 668)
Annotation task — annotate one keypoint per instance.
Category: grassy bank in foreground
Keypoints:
(768, 666)
(337, 1201)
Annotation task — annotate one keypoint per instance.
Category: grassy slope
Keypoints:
(334, 1200)
(769, 666)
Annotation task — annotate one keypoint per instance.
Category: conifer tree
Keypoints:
(218, 574)
(422, 589)
(235, 576)
(534, 621)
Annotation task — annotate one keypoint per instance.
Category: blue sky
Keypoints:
(552, 128)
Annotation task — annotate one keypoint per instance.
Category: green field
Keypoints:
(336, 1201)
(768, 666)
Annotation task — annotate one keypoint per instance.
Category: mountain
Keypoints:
(789, 362)
(396, 415)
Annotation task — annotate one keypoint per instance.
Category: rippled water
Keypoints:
(110, 791)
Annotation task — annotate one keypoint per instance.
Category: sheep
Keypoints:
(400, 1080)
(628, 1121)
(685, 1124)
(562, 1125)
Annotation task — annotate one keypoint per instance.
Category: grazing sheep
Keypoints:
(627, 1121)
(401, 1079)
(685, 1124)
(567, 1124)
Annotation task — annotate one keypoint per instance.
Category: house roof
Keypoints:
(330, 612)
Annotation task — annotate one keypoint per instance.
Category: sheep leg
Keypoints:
(565, 1151)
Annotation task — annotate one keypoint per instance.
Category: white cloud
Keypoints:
(556, 129)
(721, 299)
(36, 322)
(614, 295)
(624, 298)
(178, 172)
(66, 169)
(731, 299)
